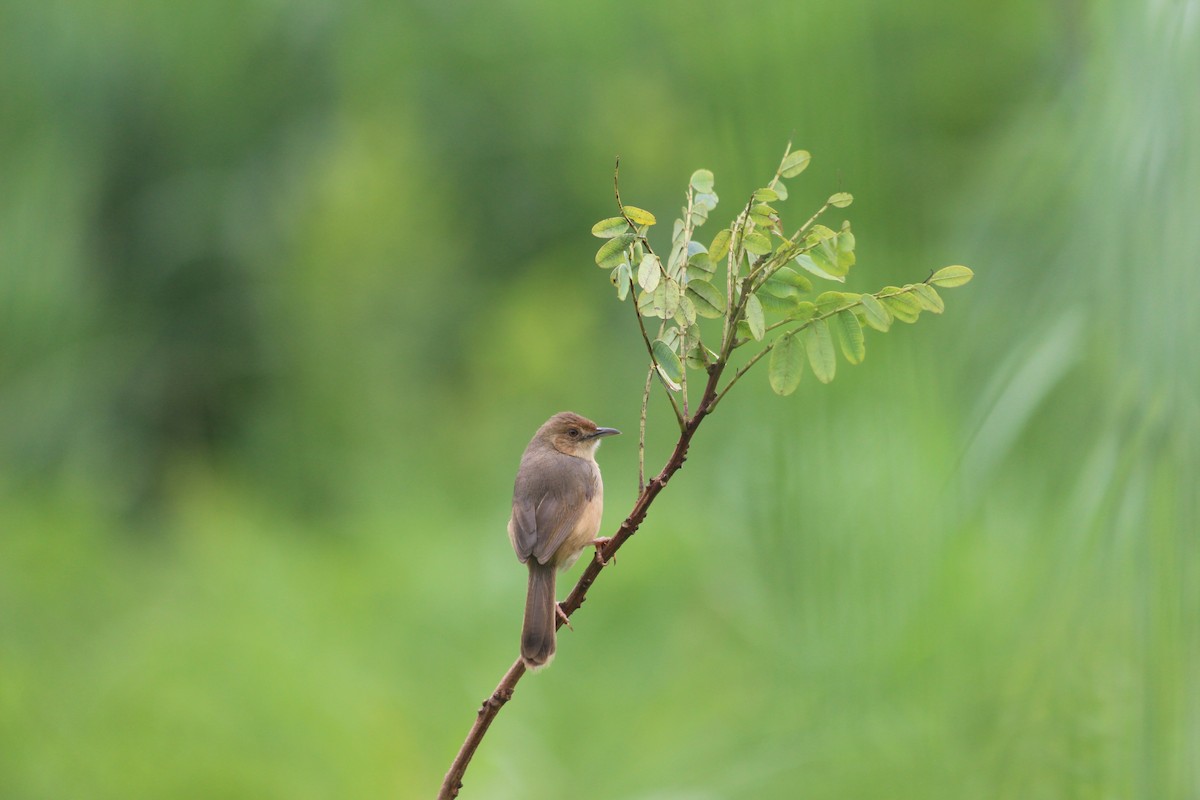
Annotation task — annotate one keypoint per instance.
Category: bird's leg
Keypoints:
(563, 616)
(599, 543)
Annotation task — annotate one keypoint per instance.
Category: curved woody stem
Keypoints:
(647, 490)
(604, 556)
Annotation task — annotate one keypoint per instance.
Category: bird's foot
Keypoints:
(599, 543)
(563, 616)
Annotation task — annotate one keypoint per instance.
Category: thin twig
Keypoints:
(680, 416)
(746, 368)
(803, 324)
(621, 207)
(687, 238)
(787, 151)
(761, 267)
(642, 431)
(737, 237)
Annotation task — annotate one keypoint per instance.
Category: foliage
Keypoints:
(746, 278)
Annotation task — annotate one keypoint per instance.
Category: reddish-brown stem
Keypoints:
(604, 556)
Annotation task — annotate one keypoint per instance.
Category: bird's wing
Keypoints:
(540, 526)
(522, 528)
(557, 516)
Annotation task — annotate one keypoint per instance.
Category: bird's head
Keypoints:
(572, 434)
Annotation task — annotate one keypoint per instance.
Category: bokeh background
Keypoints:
(286, 287)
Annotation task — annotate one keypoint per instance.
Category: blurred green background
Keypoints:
(286, 288)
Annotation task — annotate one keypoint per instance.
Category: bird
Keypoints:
(558, 498)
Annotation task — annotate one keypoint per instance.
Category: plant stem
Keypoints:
(504, 691)
(687, 238)
(642, 431)
(746, 368)
(680, 416)
(755, 358)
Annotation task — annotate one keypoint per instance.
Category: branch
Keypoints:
(682, 343)
(766, 265)
(483, 719)
(680, 416)
(746, 368)
(604, 556)
(803, 324)
(642, 431)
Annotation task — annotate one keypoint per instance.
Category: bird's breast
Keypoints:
(585, 529)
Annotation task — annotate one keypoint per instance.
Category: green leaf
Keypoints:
(612, 252)
(620, 279)
(700, 266)
(766, 195)
(708, 299)
(928, 297)
(705, 200)
(645, 304)
(805, 261)
(702, 180)
(877, 316)
(841, 199)
(608, 228)
(828, 301)
(675, 261)
(850, 334)
(763, 215)
(685, 314)
(825, 257)
(669, 365)
(666, 299)
(794, 163)
(949, 277)
(649, 272)
(819, 345)
(903, 307)
(754, 318)
(803, 312)
(786, 282)
(699, 357)
(639, 216)
(772, 304)
(780, 190)
(720, 245)
(845, 248)
(786, 365)
(757, 243)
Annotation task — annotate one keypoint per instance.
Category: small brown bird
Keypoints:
(557, 501)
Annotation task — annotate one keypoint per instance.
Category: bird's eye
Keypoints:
(573, 433)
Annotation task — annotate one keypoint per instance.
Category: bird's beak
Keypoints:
(604, 432)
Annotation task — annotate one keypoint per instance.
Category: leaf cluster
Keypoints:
(770, 288)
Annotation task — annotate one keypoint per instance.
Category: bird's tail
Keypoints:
(537, 634)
